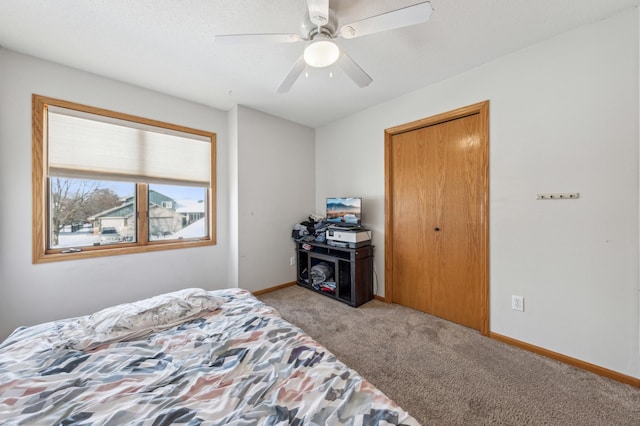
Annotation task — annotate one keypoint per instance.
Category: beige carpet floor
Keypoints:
(446, 374)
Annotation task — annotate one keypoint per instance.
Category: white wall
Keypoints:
(34, 293)
(276, 175)
(563, 118)
(233, 196)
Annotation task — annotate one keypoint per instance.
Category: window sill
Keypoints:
(93, 252)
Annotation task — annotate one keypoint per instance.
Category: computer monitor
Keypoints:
(344, 210)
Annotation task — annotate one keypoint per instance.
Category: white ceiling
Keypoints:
(166, 45)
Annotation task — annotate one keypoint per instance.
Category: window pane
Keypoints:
(86, 212)
(177, 212)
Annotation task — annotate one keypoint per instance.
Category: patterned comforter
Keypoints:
(240, 364)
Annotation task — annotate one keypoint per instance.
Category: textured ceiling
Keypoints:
(167, 46)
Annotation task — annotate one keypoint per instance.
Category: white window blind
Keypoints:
(99, 147)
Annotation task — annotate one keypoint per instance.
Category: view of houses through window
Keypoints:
(85, 212)
(176, 212)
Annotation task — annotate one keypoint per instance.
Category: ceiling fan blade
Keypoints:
(292, 76)
(398, 18)
(318, 11)
(237, 39)
(353, 70)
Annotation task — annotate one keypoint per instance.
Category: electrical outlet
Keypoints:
(517, 303)
(292, 261)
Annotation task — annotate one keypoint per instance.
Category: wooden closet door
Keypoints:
(438, 187)
(413, 220)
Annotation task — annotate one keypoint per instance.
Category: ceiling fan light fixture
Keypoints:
(321, 53)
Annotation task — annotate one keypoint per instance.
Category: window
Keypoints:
(107, 183)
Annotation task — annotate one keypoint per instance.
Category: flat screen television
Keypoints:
(344, 210)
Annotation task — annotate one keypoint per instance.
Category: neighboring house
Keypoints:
(190, 210)
(158, 199)
(118, 217)
(167, 216)
(163, 221)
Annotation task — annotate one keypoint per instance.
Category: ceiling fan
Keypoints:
(320, 28)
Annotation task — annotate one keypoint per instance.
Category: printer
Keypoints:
(348, 236)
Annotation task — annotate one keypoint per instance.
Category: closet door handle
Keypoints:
(436, 229)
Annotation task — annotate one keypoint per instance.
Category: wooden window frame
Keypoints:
(40, 251)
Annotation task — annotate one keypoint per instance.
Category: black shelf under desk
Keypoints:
(352, 271)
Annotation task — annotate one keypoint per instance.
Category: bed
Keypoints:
(189, 357)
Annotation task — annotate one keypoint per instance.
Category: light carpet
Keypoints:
(446, 374)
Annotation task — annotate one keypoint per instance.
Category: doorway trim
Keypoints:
(482, 109)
